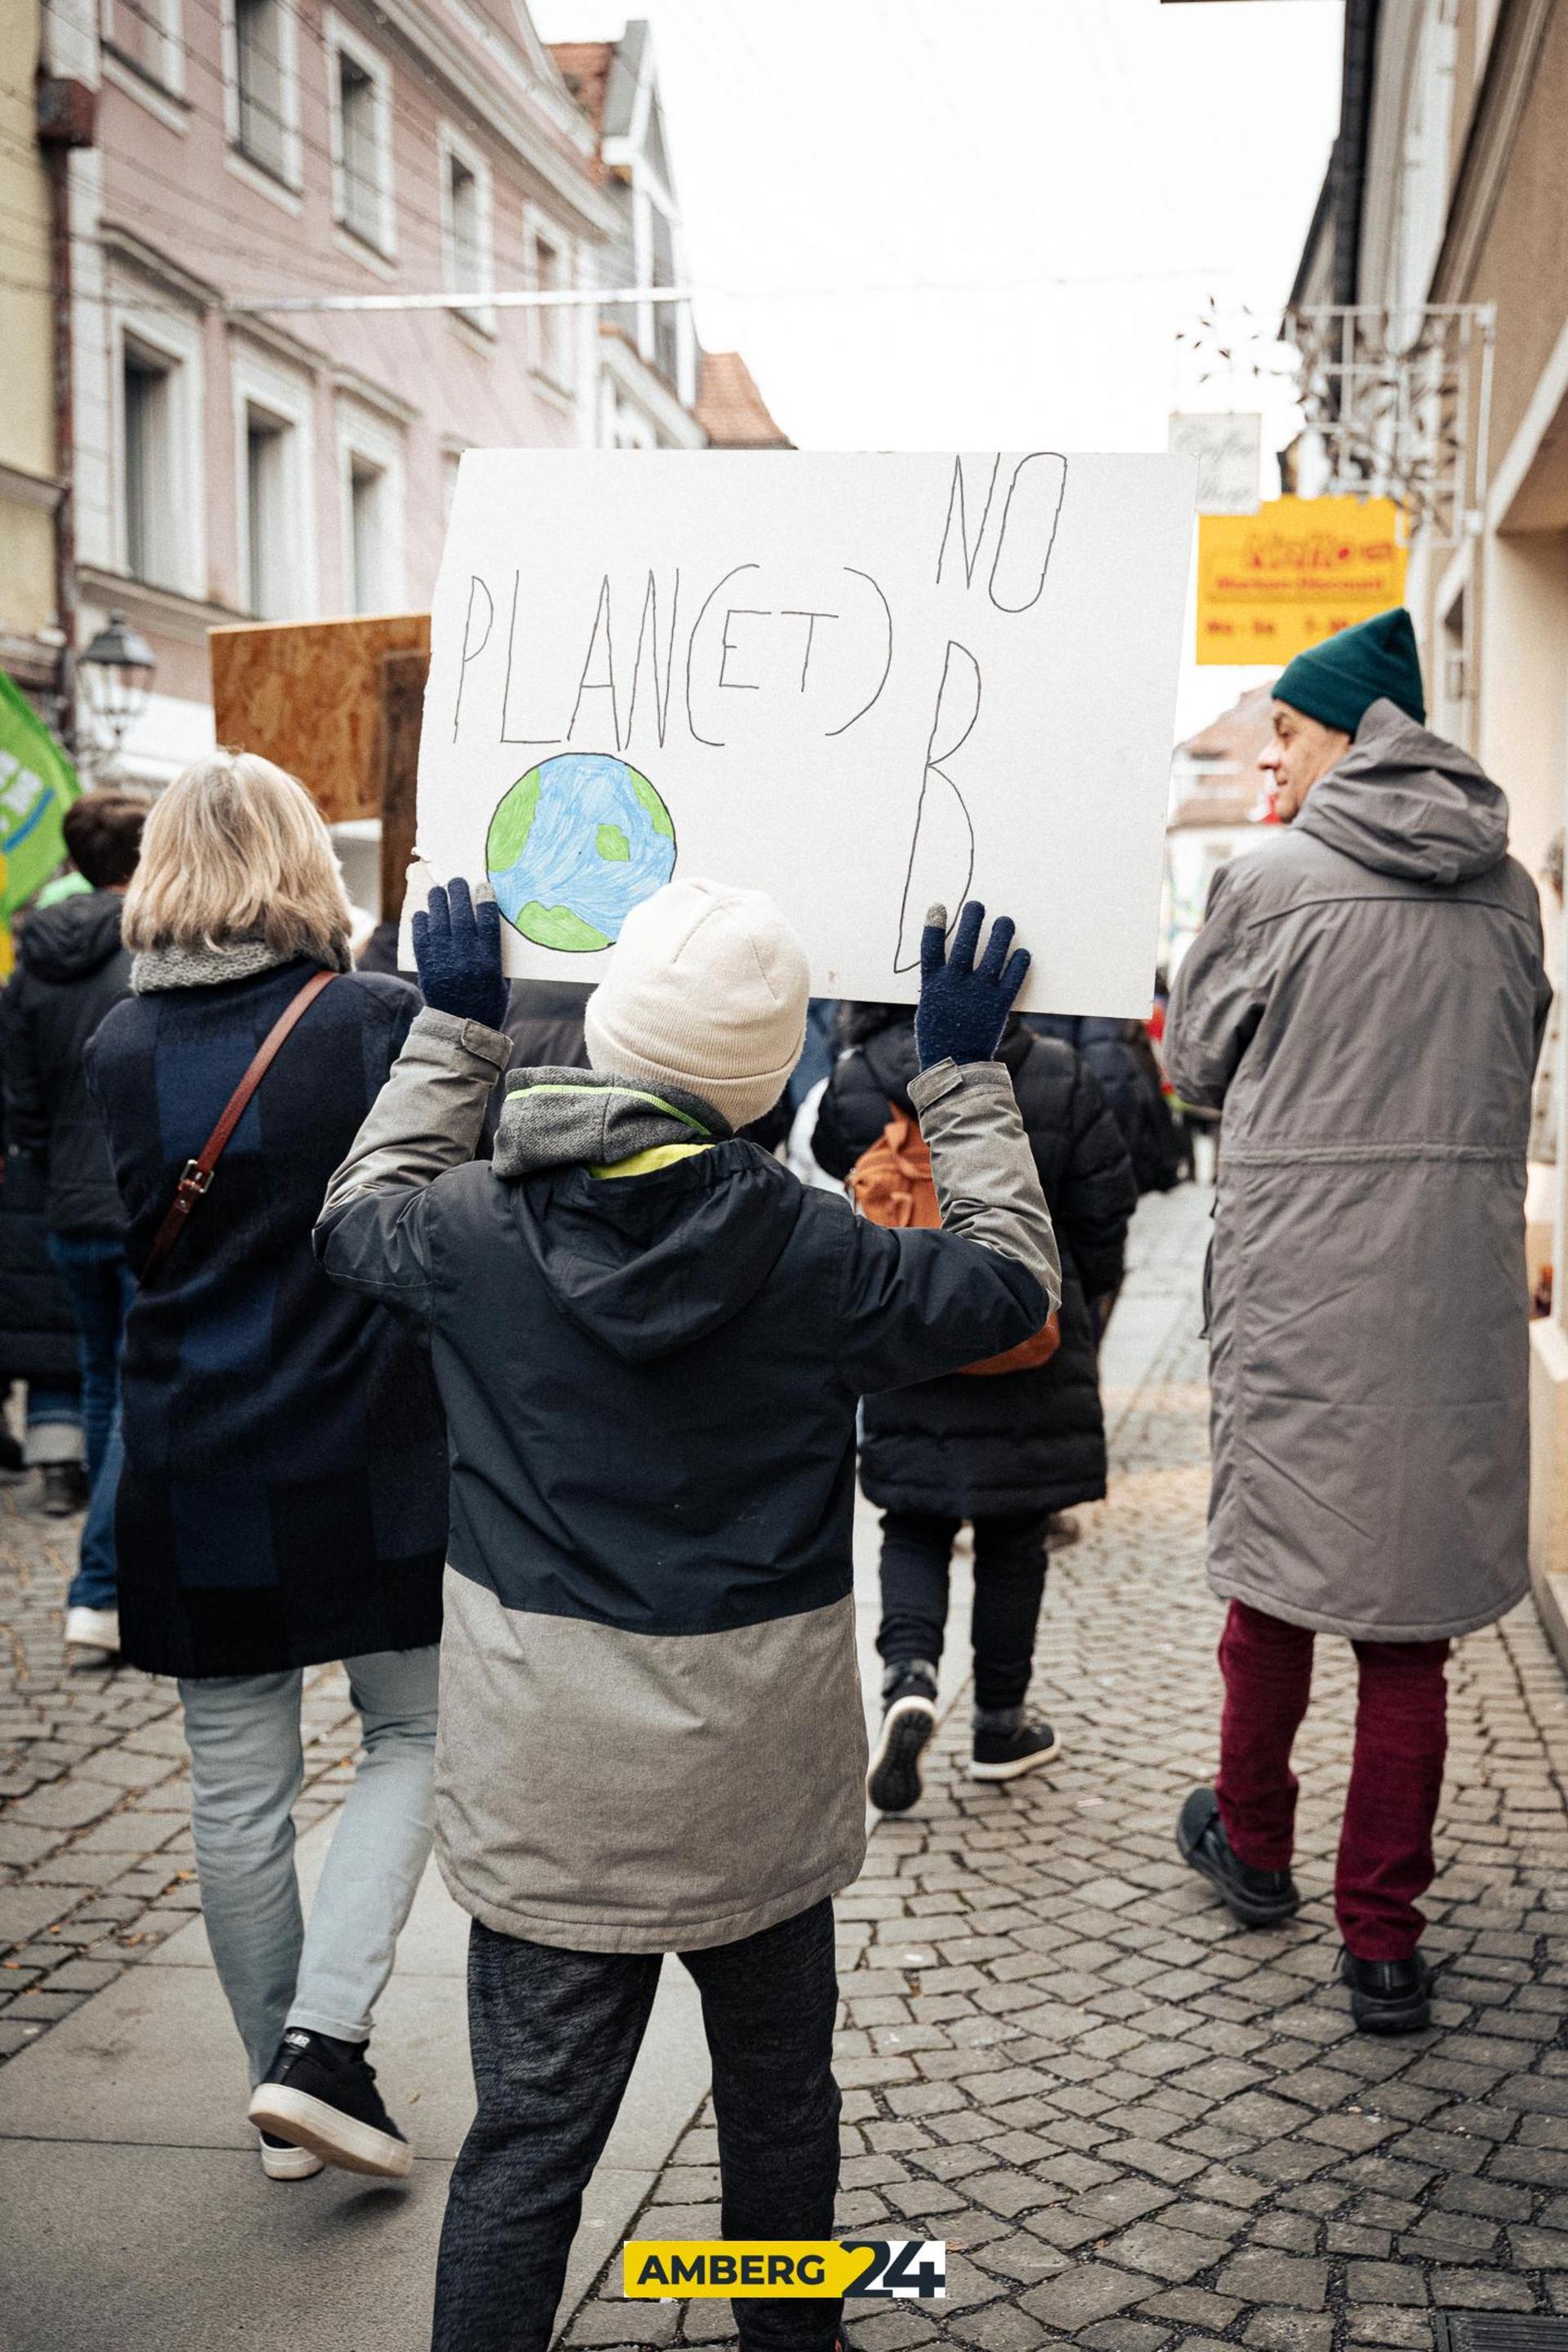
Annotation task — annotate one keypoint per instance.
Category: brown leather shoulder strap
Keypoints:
(198, 1172)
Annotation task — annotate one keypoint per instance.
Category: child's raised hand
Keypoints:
(456, 946)
(963, 1005)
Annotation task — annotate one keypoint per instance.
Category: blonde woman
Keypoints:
(282, 1500)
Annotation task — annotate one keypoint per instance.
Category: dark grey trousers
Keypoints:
(553, 2035)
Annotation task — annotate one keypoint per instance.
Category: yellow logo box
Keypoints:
(796, 2269)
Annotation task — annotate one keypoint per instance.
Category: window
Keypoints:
(366, 536)
(261, 130)
(466, 223)
(267, 514)
(552, 327)
(371, 462)
(146, 484)
(357, 112)
(360, 97)
(148, 31)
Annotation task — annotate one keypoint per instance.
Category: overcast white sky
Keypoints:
(1154, 157)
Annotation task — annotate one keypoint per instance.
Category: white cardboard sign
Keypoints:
(860, 682)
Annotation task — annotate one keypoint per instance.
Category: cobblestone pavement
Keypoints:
(1136, 2125)
(96, 1863)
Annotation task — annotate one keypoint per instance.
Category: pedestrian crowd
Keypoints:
(487, 1339)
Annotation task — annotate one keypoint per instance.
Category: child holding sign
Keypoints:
(650, 1341)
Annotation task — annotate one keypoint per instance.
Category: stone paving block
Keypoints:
(1261, 2275)
(1175, 2255)
(1386, 2282)
(1407, 2331)
(1290, 2331)
(1481, 2289)
(1088, 2291)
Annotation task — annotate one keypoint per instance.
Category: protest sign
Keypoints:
(860, 682)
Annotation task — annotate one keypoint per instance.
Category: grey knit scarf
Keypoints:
(208, 967)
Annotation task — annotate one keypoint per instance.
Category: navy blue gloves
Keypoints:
(963, 1005)
(456, 946)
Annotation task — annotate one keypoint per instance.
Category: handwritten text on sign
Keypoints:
(859, 682)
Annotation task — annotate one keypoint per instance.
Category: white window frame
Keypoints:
(174, 341)
(166, 21)
(374, 441)
(288, 397)
(283, 189)
(451, 147)
(539, 227)
(340, 41)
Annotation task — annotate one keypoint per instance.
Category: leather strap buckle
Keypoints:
(195, 1178)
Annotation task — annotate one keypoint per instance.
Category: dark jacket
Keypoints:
(968, 1447)
(37, 1330)
(71, 970)
(652, 1731)
(1123, 1060)
(1365, 1002)
(284, 1497)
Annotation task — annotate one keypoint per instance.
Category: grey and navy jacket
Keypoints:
(650, 1339)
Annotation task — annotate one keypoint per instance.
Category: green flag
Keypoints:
(38, 784)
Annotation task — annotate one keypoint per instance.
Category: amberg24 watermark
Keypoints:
(803, 2269)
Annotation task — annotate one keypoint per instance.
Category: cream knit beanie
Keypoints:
(707, 989)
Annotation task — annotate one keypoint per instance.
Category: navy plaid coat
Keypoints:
(284, 1495)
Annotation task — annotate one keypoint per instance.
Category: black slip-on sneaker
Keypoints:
(1389, 1996)
(894, 1781)
(1004, 1751)
(321, 2095)
(1258, 1898)
(281, 2160)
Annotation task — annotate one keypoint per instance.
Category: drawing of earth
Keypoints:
(575, 845)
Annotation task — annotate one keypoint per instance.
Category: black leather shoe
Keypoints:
(1258, 1898)
(1389, 1996)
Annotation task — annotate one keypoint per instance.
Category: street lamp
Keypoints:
(116, 669)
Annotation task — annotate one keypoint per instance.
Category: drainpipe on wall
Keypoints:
(1347, 167)
(65, 118)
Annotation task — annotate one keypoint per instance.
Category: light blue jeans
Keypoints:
(247, 1768)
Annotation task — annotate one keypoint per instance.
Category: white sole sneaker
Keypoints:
(1019, 1765)
(93, 1629)
(894, 1781)
(337, 2138)
(290, 2163)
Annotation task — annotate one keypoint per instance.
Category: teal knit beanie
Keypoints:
(1338, 681)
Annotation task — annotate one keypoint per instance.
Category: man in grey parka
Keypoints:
(1365, 1002)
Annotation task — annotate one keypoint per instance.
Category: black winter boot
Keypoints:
(1389, 1996)
(909, 1718)
(1010, 1742)
(1258, 1898)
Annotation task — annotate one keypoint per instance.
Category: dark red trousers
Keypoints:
(1396, 1777)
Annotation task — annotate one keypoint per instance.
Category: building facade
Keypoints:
(29, 482)
(236, 459)
(1439, 253)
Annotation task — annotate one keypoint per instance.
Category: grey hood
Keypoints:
(572, 1117)
(1402, 802)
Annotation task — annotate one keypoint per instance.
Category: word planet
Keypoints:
(573, 847)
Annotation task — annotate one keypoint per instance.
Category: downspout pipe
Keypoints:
(66, 115)
(1347, 168)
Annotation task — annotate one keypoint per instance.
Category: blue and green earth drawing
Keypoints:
(575, 845)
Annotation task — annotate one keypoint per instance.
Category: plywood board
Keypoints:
(862, 682)
(307, 695)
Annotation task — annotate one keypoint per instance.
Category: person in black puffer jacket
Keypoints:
(1123, 1060)
(72, 969)
(1004, 1451)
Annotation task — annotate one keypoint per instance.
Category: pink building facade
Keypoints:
(236, 461)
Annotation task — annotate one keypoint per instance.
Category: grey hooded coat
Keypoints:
(1366, 1001)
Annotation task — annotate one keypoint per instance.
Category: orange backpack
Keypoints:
(892, 1185)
